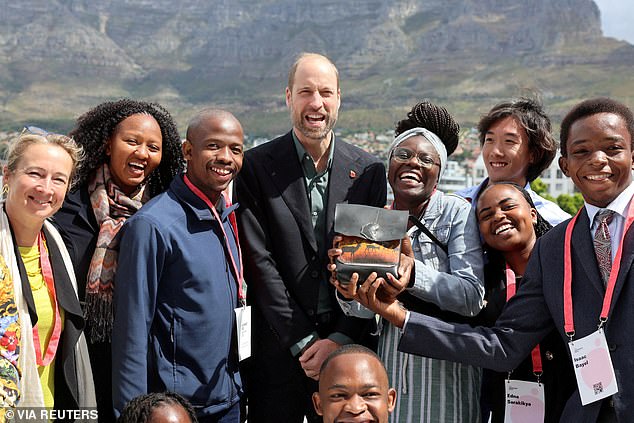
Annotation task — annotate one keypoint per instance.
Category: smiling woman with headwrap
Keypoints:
(446, 280)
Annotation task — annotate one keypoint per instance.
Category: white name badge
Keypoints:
(593, 367)
(524, 402)
(243, 329)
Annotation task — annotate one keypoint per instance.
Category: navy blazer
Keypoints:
(283, 266)
(536, 309)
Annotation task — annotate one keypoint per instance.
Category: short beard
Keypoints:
(314, 134)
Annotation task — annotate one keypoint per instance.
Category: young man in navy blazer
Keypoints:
(596, 149)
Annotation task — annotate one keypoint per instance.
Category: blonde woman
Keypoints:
(44, 360)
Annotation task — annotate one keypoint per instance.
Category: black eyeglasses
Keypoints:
(404, 155)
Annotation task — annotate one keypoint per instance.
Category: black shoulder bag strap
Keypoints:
(427, 232)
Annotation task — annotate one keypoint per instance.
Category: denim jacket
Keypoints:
(453, 281)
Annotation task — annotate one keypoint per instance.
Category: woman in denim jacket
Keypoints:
(446, 278)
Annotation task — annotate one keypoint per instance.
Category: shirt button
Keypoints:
(314, 274)
(311, 312)
(314, 213)
(612, 347)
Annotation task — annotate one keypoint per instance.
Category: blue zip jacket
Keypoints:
(175, 294)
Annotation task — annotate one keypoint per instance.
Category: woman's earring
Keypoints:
(5, 190)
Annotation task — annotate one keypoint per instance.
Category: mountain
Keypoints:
(60, 57)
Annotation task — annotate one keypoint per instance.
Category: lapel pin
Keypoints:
(353, 174)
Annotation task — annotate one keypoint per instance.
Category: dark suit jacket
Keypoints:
(283, 266)
(536, 309)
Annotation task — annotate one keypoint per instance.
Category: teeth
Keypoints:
(138, 166)
(503, 228)
(410, 175)
(223, 172)
(497, 164)
(600, 177)
(314, 117)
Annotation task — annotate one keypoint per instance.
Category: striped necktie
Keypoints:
(603, 243)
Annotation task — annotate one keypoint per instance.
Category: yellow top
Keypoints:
(45, 317)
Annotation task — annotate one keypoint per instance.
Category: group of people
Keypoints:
(132, 279)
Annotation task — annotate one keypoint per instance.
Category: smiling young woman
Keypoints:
(510, 225)
(133, 151)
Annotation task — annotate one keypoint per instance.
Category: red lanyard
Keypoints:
(234, 225)
(47, 274)
(511, 287)
(569, 325)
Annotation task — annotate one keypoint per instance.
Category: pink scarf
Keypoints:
(111, 207)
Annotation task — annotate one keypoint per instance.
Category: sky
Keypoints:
(616, 18)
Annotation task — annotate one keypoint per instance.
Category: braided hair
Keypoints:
(93, 129)
(435, 119)
(139, 410)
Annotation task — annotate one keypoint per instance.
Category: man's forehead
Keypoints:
(361, 367)
(216, 127)
(315, 71)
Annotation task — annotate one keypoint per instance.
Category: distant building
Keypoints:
(455, 178)
(556, 181)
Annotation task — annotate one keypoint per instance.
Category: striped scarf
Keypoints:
(111, 208)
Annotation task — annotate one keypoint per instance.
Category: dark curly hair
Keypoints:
(530, 114)
(139, 409)
(95, 127)
(592, 107)
(435, 119)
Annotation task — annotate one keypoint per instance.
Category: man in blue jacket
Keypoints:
(179, 281)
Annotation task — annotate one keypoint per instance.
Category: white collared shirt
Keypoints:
(620, 206)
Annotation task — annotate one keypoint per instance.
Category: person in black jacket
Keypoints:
(133, 151)
(43, 354)
(287, 191)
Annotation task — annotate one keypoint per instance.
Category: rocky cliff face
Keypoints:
(194, 51)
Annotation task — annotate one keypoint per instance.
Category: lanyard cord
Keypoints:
(47, 274)
(511, 288)
(232, 221)
(569, 325)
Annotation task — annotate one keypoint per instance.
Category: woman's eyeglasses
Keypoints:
(404, 155)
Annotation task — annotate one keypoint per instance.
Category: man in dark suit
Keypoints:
(596, 148)
(287, 193)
